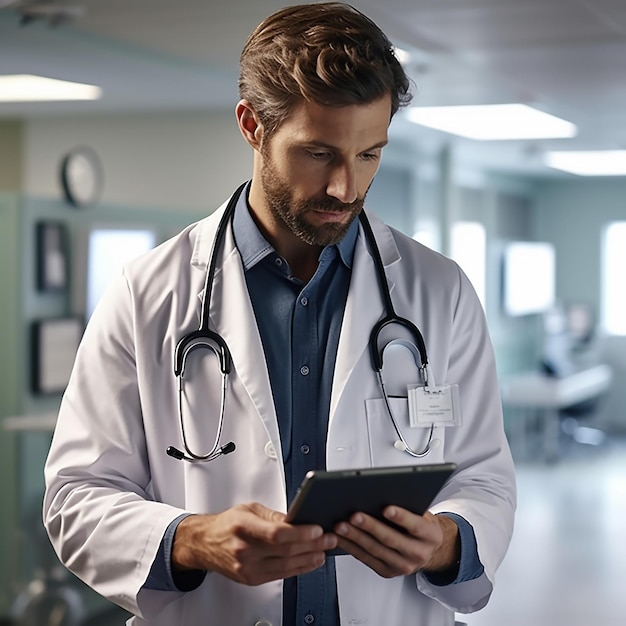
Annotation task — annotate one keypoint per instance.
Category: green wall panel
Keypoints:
(11, 353)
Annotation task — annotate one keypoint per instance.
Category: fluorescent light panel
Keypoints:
(31, 88)
(493, 122)
(589, 162)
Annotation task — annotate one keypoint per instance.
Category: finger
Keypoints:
(373, 536)
(377, 532)
(386, 549)
(303, 548)
(279, 567)
(265, 513)
(361, 554)
(419, 526)
(269, 529)
(298, 559)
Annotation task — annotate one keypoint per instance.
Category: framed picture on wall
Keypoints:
(52, 253)
(54, 345)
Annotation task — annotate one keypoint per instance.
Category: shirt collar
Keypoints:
(253, 247)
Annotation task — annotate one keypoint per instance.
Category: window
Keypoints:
(427, 238)
(529, 277)
(468, 249)
(613, 293)
(109, 249)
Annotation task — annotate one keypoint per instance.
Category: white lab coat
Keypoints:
(112, 491)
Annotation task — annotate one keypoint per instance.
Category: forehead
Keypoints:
(362, 125)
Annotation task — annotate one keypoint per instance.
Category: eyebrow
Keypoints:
(328, 146)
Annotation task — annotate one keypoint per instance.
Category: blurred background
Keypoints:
(128, 134)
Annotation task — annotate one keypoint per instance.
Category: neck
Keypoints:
(303, 259)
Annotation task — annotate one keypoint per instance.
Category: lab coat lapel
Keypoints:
(363, 308)
(232, 317)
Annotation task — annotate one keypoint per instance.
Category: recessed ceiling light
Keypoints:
(493, 121)
(589, 162)
(31, 88)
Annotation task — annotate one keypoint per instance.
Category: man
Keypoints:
(287, 297)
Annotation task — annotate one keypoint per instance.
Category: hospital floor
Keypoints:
(566, 565)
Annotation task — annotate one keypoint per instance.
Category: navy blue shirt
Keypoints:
(299, 326)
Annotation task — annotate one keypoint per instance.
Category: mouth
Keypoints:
(332, 216)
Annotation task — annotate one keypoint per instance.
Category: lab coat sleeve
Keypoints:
(483, 489)
(98, 509)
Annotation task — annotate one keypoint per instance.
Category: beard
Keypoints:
(292, 213)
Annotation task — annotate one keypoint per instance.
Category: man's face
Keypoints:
(317, 167)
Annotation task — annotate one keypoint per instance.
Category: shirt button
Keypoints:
(309, 619)
(278, 261)
(305, 449)
(304, 301)
(304, 370)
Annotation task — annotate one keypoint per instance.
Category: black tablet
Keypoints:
(329, 497)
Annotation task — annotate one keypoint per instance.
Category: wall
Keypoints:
(512, 218)
(11, 134)
(10, 372)
(174, 162)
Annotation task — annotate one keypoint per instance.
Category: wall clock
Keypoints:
(82, 177)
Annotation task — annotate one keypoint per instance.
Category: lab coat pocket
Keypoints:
(382, 435)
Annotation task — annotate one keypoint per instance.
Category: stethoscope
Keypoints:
(204, 337)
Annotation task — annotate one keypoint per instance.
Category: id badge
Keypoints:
(436, 405)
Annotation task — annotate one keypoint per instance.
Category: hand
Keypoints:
(431, 542)
(250, 544)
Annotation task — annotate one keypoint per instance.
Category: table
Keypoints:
(534, 390)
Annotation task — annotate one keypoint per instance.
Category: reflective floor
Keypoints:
(567, 562)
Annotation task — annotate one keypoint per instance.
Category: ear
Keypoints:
(249, 125)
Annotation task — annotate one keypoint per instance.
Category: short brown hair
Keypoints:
(328, 53)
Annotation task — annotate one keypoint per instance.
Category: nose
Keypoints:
(342, 184)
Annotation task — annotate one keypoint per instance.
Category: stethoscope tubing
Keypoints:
(204, 337)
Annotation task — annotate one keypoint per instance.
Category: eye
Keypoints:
(319, 155)
(370, 156)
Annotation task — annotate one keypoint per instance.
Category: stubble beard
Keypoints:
(292, 213)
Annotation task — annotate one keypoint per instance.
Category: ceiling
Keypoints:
(565, 57)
